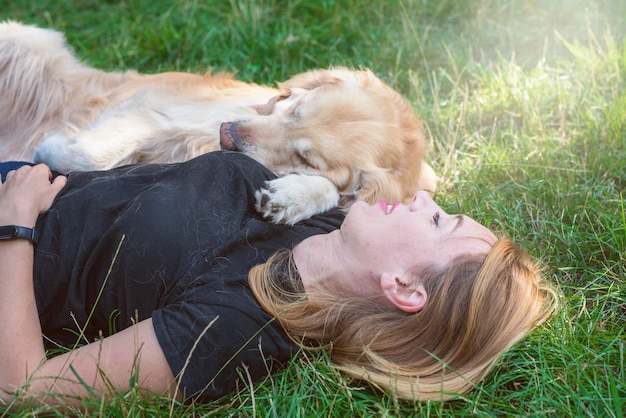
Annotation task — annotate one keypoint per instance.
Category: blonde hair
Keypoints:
(478, 307)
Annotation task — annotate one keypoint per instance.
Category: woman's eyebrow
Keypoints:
(459, 223)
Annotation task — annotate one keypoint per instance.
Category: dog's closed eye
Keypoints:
(303, 152)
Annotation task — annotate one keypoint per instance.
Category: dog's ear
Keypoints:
(311, 79)
(267, 108)
(377, 183)
(394, 184)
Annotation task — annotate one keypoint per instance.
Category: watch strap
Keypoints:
(22, 232)
(26, 233)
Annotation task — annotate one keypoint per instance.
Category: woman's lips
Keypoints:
(392, 208)
(386, 207)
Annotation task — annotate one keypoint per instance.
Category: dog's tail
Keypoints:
(41, 84)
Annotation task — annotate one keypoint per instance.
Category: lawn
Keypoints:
(524, 102)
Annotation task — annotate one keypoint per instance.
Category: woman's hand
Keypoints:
(26, 193)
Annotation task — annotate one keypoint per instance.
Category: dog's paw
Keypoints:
(295, 197)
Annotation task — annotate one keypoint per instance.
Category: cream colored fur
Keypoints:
(360, 137)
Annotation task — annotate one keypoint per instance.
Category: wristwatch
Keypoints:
(10, 232)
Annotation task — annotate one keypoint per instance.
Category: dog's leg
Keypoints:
(110, 142)
(294, 197)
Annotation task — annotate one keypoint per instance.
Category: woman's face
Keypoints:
(404, 237)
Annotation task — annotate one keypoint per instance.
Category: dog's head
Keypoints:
(345, 125)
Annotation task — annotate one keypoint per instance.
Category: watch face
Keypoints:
(8, 232)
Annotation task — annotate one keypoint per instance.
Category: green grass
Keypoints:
(525, 103)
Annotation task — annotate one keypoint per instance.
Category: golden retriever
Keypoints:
(333, 136)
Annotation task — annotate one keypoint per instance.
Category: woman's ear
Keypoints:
(406, 298)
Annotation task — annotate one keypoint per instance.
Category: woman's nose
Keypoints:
(422, 200)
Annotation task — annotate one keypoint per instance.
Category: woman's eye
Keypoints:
(436, 217)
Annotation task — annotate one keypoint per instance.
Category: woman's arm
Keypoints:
(106, 367)
(132, 353)
(23, 196)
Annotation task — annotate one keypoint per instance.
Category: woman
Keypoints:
(143, 272)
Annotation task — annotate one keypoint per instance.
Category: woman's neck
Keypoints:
(318, 258)
(325, 262)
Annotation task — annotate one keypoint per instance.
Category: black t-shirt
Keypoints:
(173, 242)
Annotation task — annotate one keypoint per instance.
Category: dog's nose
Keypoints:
(226, 141)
